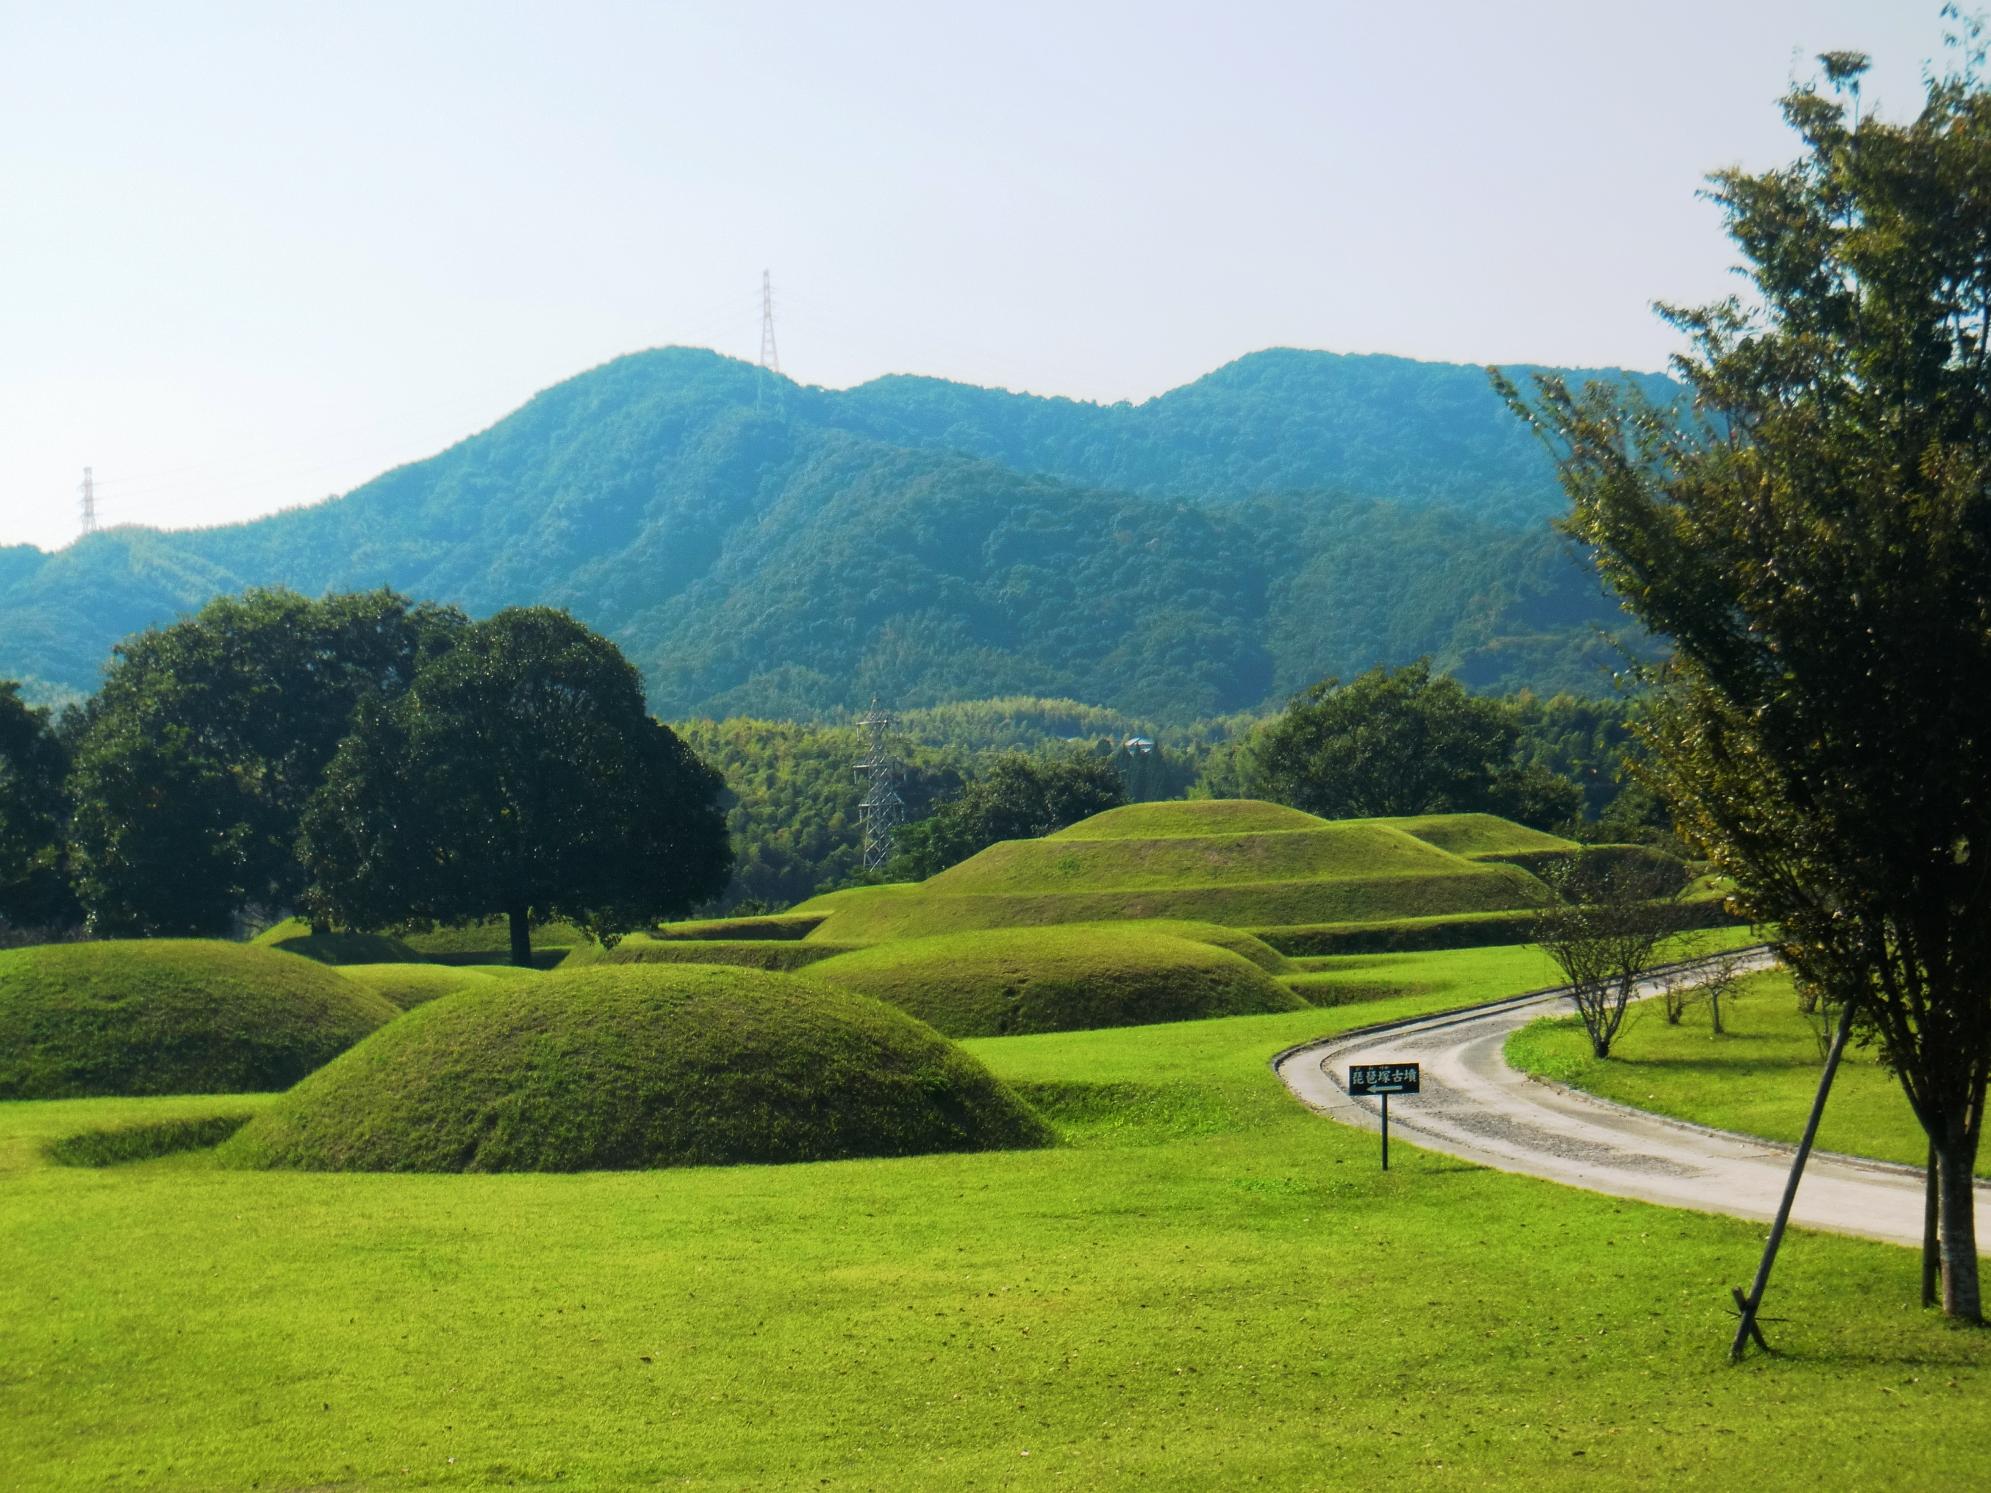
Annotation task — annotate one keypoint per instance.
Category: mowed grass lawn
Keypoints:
(1457, 977)
(1206, 1287)
(1758, 1077)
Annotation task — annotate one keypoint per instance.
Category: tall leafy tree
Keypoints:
(519, 776)
(1814, 538)
(1015, 797)
(1401, 741)
(197, 756)
(34, 890)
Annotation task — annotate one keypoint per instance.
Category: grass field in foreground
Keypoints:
(1758, 1077)
(1207, 1287)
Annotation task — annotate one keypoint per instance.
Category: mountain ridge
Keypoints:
(918, 538)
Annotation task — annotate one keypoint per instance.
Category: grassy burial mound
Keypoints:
(171, 1016)
(1235, 862)
(1479, 836)
(764, 926)
(1190, 817)
(636, 1066)
(1237, 940)
(409, 985)
(294, 936)
(1000, 983)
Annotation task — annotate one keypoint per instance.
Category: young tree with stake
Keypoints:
(1814, 539)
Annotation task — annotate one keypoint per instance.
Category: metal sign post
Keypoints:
(1382, 1080)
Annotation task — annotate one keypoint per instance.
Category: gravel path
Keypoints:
(1475, 1106)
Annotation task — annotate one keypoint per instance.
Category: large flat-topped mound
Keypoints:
(1238, 862)
(1204, 816)
(871, 914)
(1322, 850)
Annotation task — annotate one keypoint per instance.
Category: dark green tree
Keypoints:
(1814, 539)
(1400, 741)
(1015, 797)
(519, 776)
(196, 758)
(34, 888)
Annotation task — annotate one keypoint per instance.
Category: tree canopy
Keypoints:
(519, 776)
(34, 891)
(1813, 536)
(196, 757)
(1401, 741)
(1015, 797)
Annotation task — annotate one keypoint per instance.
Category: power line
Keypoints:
(89, 501)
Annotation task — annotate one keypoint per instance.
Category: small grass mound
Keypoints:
(490, 942)
(773, 925)
(171, 1016)
(411, 985)
(748, 953)
(294, 936)
(636, 1066)
(145, 1140)
(1059, 979)
(1479, 835)
(1256, 949)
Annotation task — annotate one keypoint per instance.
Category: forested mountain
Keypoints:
(759, 547)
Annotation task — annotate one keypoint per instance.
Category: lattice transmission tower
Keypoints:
(770, 359)
(89, 491)
(882, 811)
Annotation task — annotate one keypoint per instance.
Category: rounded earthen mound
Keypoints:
(1058, 979)
(171, 1016)
(633, 1066)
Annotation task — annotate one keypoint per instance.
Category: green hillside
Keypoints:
(1293, 514)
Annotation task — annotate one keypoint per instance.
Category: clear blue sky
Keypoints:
(253, 254)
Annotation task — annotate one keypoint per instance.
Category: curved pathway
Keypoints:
(1475, 1106)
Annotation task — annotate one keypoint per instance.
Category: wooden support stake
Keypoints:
(1752, 1303)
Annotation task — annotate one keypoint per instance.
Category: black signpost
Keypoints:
(1382, 1080)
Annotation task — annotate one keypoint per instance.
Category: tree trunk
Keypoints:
(1956, 1159)
(1932, 1249)
(521, 938)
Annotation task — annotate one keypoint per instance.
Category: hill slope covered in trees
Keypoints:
(1291, 515)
